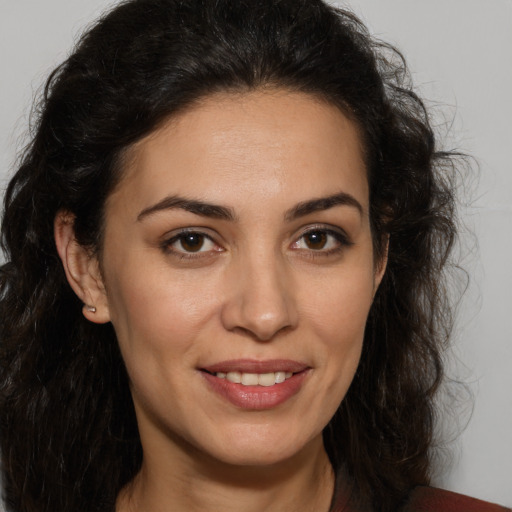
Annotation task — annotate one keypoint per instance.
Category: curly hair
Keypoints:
(68, 434)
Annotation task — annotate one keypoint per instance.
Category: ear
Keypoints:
(82, 269)
(380, 266)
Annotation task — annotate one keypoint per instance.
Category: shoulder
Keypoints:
(430, 499)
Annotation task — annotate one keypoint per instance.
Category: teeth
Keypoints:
(235, 377)
(266, 379)
(250, 379)
(281, 377)
(255, 379)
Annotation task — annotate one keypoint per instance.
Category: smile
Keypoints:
(255, 379)
(256, 385)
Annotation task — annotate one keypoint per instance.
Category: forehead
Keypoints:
(262, 144)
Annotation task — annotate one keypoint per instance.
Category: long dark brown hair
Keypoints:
(69, 438)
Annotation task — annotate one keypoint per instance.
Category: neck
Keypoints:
(305, 482)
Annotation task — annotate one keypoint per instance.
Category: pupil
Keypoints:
(316, 240)
(192, 242)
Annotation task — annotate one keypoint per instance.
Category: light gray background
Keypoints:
(460, 53)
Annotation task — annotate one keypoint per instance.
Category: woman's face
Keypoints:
(238, 248)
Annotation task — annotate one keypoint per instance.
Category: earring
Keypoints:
(91, 309)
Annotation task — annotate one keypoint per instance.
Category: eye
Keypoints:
(190, 243)
(316, 240)
(322, 240)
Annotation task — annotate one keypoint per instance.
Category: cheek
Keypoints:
(156, 324)
(337, 316)
(155, 317)
(338, 307)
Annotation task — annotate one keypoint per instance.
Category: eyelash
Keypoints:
(341, 239)
(168, 243)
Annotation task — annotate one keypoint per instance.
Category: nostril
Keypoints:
(261, 334)
(260, 305)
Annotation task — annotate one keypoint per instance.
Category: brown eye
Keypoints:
(315, 240)
(322, 241)
(192, 242)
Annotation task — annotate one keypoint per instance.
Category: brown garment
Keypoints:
(430, 499)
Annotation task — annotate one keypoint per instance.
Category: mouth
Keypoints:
(251, 384)
(254, 379)
(250, 372)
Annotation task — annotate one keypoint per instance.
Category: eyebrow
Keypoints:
(190, 205)
(214, 211)
(323, 203)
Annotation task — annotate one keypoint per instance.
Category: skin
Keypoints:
(258, 287)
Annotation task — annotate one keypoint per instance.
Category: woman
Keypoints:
(225, 252)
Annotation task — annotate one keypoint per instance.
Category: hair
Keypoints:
(69, 438)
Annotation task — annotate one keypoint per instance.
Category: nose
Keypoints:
(260, 300)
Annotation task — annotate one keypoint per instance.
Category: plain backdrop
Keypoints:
(460, 55)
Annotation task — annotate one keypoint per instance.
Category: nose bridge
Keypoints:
(261, 301)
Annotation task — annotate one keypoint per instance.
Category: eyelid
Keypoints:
(200, 230)
(336, 232)
(172, 237)
(327, 228)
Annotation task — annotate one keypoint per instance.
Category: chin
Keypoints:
(263, 450)
(257, 457)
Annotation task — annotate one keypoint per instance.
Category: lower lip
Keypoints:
(256, 397)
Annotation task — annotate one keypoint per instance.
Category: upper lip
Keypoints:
(256, 366)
